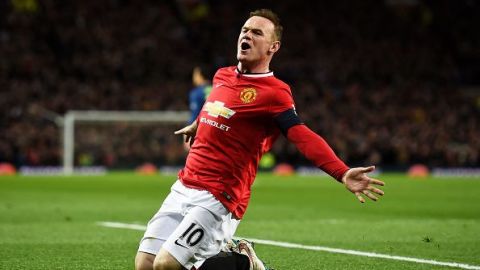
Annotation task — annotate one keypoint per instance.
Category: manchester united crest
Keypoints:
(248, 95)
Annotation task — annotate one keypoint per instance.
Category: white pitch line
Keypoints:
(119, 225)
(318, 248)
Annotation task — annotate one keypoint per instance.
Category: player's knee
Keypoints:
(165, 261)
(142, 265)
(164, 264)
(144, 261)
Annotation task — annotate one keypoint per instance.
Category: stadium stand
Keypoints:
(395, 88)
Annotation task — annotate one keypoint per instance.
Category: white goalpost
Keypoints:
(73, 117)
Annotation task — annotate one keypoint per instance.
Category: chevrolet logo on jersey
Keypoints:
(217, 108)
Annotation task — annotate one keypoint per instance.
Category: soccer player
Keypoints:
(199, 93)
(245, 112)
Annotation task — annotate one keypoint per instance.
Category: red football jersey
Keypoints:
(235, 127)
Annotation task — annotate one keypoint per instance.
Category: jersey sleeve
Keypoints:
(283, 110)
(310, 144)
(282, 100)
(317, 150)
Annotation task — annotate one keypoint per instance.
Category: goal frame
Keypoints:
(73, 117)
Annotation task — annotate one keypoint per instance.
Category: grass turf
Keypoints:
(50, 222)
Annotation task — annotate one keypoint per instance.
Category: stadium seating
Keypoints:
(388, 89)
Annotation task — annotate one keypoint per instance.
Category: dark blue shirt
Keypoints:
(197, 97)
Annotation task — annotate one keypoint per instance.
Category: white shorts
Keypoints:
(192, 225)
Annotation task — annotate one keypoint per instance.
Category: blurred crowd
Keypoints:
(394, 82)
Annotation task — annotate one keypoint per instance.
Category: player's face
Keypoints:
(256, 41)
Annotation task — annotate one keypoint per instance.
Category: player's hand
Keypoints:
(188, 132)
(357, 181)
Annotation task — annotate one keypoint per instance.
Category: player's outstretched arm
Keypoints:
(357, 181)
(317, 150)
(188, 132)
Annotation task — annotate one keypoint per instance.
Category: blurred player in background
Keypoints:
(199, 93)
(245, 112)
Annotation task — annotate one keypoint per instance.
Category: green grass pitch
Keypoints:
(51, 222)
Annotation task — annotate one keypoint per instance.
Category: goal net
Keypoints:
(122, 139)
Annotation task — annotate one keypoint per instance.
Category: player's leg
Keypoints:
(159, 228)
(144, 261)
(168, 219)
(246, 248)
(227, 260)
(201, 235)
(224, 260)
(239, 256)
(165, 261)
(247, 260)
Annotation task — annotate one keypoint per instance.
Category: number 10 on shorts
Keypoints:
(192, 236)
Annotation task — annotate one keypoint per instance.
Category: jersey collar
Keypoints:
(254, 75)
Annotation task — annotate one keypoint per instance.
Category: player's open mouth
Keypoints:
(245, 46)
